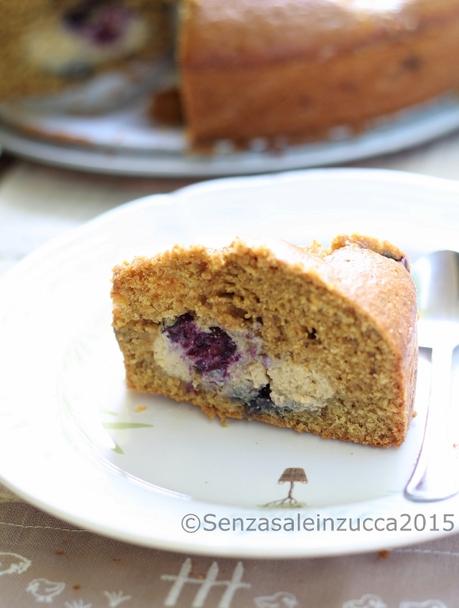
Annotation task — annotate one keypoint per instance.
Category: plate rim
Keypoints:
(402, 130)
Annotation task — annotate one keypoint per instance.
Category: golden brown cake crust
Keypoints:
(257, 33)
(364, 300)
(382, 247)
(300, 67)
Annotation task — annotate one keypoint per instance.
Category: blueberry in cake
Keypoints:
(321, 340)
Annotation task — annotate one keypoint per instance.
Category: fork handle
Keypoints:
(434, 476)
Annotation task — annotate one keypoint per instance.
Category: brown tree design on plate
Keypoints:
(291, 476)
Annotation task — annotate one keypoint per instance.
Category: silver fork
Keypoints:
(436, 474)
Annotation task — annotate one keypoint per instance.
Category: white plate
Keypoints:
(76, 443)
(126, 142)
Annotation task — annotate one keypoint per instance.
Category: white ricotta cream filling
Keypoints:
(298, 387)
(54, 48)
(292, 386)
(170, 359)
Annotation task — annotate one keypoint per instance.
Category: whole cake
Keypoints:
(283, 71)
(297, 69)
(313, 339)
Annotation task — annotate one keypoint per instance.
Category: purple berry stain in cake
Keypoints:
(101, 23)
(183, 332)
(209, 350)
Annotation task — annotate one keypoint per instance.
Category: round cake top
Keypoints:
(249, 33)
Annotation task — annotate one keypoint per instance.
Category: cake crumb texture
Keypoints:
(319, 340)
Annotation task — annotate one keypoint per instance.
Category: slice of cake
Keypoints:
(314, 339)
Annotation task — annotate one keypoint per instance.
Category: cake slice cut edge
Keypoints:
(319, 340)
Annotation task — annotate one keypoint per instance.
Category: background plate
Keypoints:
(126, 142)
(75, 442)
